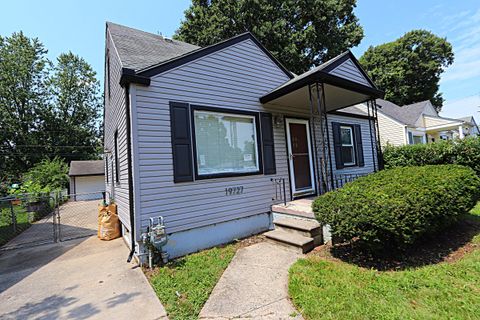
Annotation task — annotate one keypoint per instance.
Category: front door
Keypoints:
(300, 157)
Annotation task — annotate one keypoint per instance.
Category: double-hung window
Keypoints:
(348, 147)
(225, 143)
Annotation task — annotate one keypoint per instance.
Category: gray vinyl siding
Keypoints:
(115, 119)
(349, 71)
(369, 158)
(232, 78)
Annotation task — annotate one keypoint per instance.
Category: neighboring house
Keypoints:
(417, 123)
(87, 179)
(471, 127)
(201, 136)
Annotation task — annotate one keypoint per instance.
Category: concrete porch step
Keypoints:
(309, 227)
(293, 240)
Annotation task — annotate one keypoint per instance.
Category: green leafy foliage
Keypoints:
(463, 152)
(393, 208)
(31, 187)
(23, 97)
(49, 173)
(70, 127)
(409, 68)
(301, 34)
(46, 110)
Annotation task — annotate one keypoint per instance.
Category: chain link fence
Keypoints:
(28, 220)
(78, 215)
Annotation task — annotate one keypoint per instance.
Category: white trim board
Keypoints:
(288, 121)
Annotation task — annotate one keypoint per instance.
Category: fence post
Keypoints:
(14, 218)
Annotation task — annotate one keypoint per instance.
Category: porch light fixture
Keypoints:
(277, 121)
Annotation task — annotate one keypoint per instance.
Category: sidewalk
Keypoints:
(254, 286)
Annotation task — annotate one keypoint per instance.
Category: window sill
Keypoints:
(226, 175)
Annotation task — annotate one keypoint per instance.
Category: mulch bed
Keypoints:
(449, 246)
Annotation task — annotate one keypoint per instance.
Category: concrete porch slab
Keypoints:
(300, 208)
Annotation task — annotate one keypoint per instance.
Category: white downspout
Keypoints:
(460, 132)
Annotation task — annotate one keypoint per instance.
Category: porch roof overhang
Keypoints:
(339, 91)
(443, 127)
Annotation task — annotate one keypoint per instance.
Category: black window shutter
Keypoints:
(359, 145)
(268, 149)
(337, 145)
(181, 142)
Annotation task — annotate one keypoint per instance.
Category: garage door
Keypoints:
(89, 184)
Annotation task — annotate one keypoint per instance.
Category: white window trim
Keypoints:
(296, 192)
(354, 157)
(416, 134)
(230, 114)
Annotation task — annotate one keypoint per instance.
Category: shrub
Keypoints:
(393, 208)
(49, 173)
(464, 152)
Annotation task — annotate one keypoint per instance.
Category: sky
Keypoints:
(79, 26)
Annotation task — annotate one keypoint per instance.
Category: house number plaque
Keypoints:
(230, 191)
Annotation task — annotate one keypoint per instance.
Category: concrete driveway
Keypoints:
(78, 279)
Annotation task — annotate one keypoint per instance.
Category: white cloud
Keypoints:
(463, 31)
(468, 106)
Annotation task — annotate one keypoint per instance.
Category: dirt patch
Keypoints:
(446, 247)
(247, 242)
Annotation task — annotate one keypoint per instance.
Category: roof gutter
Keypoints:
(130, 76)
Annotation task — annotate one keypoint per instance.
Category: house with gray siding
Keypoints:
(212, 138)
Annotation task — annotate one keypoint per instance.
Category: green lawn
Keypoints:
(184, 285)
(6, 227)
(323, 288)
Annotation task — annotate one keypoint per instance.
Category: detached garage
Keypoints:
(87, 178)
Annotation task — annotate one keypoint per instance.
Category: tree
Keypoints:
(49, 173)
(409, 68)
(301, 34)
(71, 123)
(45, 111)
(23, 96)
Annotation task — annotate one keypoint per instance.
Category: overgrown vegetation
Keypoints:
(393, 208)
(322, 287)
(46, 109)
(7, 231)
(185, 284)
(463, 152)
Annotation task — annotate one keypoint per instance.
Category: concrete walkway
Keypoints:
(254, 286)
(79, 279)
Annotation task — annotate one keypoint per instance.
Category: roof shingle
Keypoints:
(407, 114)
(139, 49)
(87, 168)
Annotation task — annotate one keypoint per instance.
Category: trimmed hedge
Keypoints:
(393, 208)
(463, 152)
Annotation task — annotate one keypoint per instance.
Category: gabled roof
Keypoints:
(324, 73)
(407, 114)
(469, 120)
(87, 168)
(139, 49)
(144, 54)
